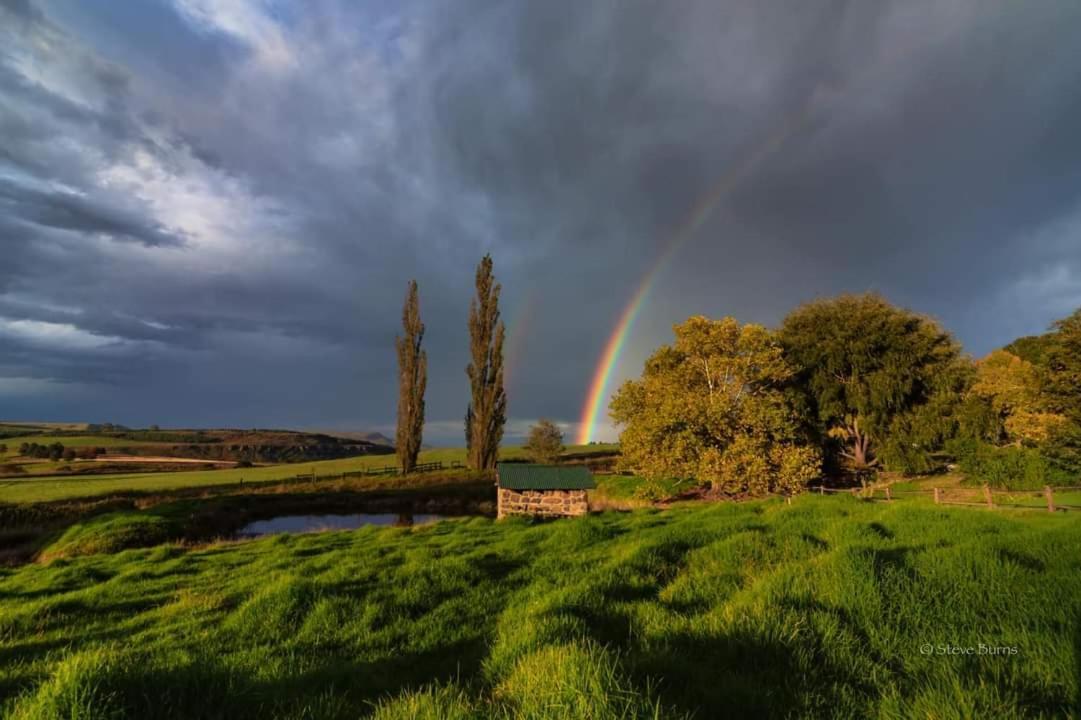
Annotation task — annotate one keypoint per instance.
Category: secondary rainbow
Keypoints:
(617, 341)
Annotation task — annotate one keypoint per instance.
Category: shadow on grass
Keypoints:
(1077, 666)
(739, 675)
(339, 687)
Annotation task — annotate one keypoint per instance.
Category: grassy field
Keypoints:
(43, 467)
(76, 441)
(830, 607)
(43, 489)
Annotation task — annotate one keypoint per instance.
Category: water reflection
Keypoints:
(317, 523)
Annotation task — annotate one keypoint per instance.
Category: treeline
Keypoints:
(266, 453)
(314, 447)
(846, 387)
(57, 451)
(197, 437)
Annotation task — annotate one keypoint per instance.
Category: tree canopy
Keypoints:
(1064, 366)
(713, 406)
(881, 381)
(487, 411)
(412, 381)
(1013, 389)
(545, 443)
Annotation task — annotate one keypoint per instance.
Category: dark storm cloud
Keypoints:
(214, 208)
(68, 211)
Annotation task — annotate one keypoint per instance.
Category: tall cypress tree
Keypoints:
(468, 428)
(488, 404)
(412, 381)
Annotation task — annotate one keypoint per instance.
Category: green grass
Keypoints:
(72, 441)
(76, 441)
(627, 491)
(110, 533)
(818, 609)
(44, 489)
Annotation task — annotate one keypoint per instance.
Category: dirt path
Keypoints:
(159, 459)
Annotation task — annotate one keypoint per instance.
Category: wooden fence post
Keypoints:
(821, 489)
(888, 496)
(1047, 493)
(987, 494)
(938, 496)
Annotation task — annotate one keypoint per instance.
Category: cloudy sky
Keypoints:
(210, 209)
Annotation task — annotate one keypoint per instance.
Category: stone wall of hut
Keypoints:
(545, 503)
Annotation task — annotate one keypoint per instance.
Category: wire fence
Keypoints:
(394, 470)
(984, 496)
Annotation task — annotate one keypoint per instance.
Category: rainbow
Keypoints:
(518, 324)
(700, 211)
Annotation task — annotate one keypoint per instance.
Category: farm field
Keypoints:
(44, 489)
(828, 607)
(42, 467)
(76, 441)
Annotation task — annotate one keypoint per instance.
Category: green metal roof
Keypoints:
(522, 476)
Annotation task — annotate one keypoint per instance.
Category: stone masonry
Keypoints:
(543, 503)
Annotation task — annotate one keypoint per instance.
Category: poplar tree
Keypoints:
(412, 380)
(487, 412)
(468, 428)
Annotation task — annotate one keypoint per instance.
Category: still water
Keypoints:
(316, 523)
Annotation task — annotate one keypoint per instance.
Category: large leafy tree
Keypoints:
(487, 412)
(882, 382)
(1013, 390)
(1063, 358)
(1032, 348)
(412, 381)
(1064, 389)
(712, 407)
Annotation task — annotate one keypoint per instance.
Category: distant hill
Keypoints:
(376, 438)
(233, 445)
(41, 426)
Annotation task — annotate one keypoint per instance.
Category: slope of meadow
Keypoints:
(822, 608)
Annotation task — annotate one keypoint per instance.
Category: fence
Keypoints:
(972, 497)
(373, 471)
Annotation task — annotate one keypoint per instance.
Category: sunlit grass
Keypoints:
(23, 490)
(749, 610)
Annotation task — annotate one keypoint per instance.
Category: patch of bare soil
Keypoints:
(168, 459)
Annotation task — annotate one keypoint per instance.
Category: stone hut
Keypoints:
(542, 490)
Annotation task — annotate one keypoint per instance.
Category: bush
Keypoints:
(652, 490)
(545, 443)
(1009, 468)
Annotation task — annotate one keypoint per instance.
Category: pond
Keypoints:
(317, 523)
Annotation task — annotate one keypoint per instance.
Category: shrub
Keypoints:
(545, 443)
(652, 490)
(1010, 468)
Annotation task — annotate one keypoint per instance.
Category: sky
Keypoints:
(210, 209)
